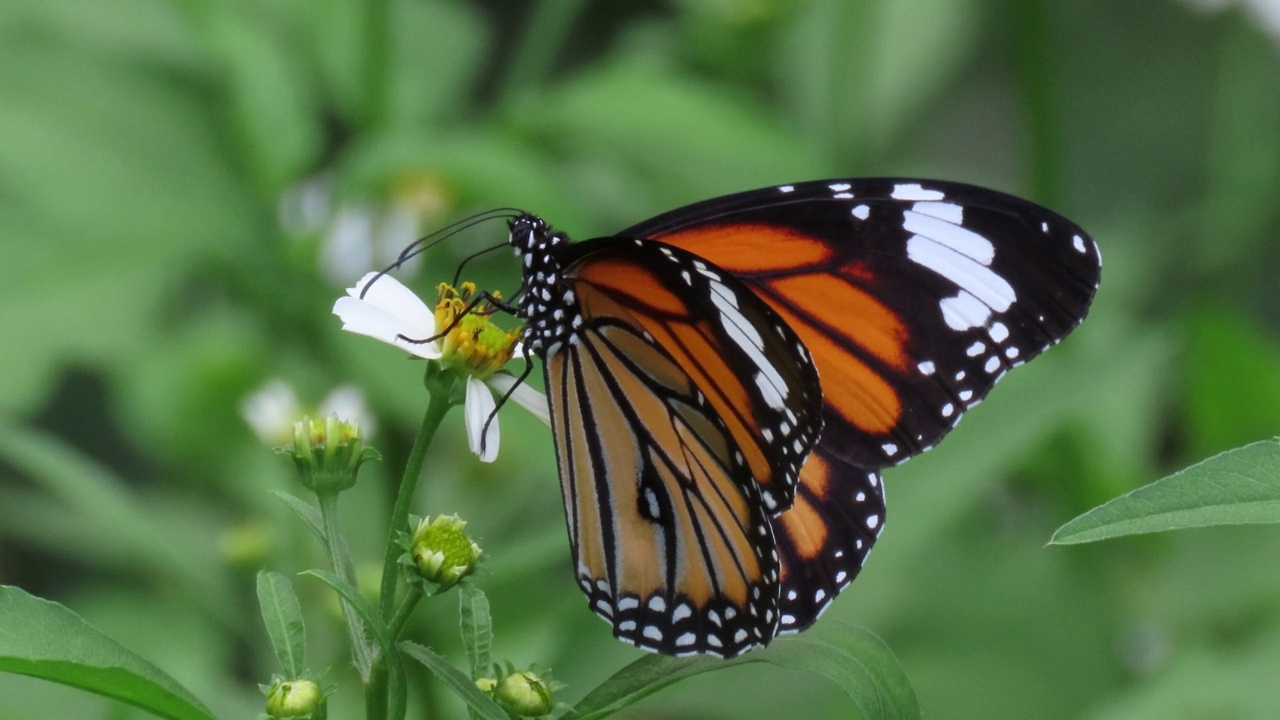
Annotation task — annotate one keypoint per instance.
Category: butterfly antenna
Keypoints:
(426, 242)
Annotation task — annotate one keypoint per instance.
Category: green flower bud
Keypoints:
(442, 552)
(524, 694)
(295, 699)
(328, 453)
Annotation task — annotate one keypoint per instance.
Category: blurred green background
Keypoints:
(186, 185)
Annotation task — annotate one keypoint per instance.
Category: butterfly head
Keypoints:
(546, 305)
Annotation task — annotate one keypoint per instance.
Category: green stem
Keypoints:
(405, 610)
(361, 652)
(375, 694)
(436, 409)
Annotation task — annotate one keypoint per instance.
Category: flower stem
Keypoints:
(442, 398)
(362, 654)
(436, 409)
(396, 626)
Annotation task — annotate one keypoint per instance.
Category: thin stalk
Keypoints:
(375, 694)
(436, 410)
(396, 626)
(362, 654)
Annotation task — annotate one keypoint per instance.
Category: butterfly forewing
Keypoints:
(914, 297)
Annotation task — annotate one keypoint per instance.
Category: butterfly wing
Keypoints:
(682, 409)
(914, 297)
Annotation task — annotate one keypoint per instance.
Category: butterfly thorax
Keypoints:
(547, 304)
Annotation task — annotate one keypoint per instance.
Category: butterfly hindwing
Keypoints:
(653, 401)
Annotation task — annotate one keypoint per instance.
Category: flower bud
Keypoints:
(295, 699)
(442, 552)
(525, 694)
(328, 453)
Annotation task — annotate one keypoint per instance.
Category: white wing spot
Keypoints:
(964, 311)
(914, 191)
(992, 364)
(657, 604)
(889, 449)
(976, 349)
(1011, 352)
(1078, 242)
(786, 188)
(998, 332)
(965, 271)
(926, 367)
(840, 187)
(873, 521)
(949, 212)
(1044, 227)
(965, 395)
(948, 410)
(653, 632)
(862, 212)
(686, 639)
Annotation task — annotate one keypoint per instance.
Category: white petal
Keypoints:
(524, 396)
(388, 310)
(480, 406)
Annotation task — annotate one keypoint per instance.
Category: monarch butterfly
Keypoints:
(725, 380)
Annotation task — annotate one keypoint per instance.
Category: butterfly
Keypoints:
(726, 380)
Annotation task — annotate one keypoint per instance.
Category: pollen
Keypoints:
(469, 339)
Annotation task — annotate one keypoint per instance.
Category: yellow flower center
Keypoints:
(471, 340)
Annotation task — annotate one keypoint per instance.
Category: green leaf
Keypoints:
(282, 615)
(455, 680)
(477, 628)
(46, 640)
(854, 658)
(381, 634)
(1237, 487)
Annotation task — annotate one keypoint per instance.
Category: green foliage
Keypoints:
(456, 680)
(855, 659)
(282, 615)
(1237, 487)
(176, 177)
(44, 639)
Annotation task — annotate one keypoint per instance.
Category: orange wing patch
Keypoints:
(749, 248)
(865, 321)
(804, 524)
